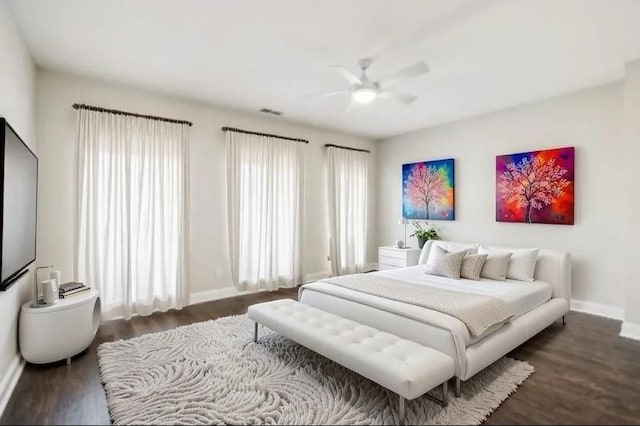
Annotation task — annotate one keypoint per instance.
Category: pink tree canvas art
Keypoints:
(428, 190)
(535, 187)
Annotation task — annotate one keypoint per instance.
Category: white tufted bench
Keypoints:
(405, 367)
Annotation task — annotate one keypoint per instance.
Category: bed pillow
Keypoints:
(445, 263)
(522, 264)
(472, 266)
(447, 245)
(450, 247)
(495, 266)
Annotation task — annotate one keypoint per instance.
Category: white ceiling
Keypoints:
(484, 55)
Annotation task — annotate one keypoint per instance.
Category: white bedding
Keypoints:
(519, 296)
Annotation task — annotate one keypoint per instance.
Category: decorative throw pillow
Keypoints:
(522, 264)
(472, 265)
(445, 263)
(495, 266)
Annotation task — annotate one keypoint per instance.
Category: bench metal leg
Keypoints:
(458, 385)
(255, 333)
(444, 401)
(563, 322)
(445, 394)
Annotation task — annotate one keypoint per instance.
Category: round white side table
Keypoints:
(53, 333)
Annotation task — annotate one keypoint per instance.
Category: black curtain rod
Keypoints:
(233, 129)
(133, 114)
(346, 147)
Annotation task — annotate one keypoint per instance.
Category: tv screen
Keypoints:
(19, 185)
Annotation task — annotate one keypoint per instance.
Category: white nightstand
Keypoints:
(393, 257)
(53, 333)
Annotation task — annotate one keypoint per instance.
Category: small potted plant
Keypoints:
(424, 234)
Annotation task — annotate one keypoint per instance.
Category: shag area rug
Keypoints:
(212, 372)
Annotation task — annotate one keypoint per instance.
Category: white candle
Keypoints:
(55, 275)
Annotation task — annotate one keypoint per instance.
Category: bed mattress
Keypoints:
(521, 297)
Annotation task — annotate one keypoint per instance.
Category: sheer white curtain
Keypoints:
(132, 212)
(264, 176)
(347, 177)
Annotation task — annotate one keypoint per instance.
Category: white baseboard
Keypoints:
(223, 293)
(216, 294)
(316, 276)
(600, 309)
(630, 330)
(371, 266)
(226, 292)
(10, 380)
(320, 275)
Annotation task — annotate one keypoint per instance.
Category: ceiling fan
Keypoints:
(364, 91)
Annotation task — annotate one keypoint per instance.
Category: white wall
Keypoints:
(17, 77)
(590, 121)
(631, 139)
(57, 147)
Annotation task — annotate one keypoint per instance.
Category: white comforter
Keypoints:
(519, 296)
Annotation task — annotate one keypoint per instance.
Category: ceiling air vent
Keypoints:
(270, 111)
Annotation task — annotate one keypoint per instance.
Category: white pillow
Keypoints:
(447, 245)
(495, 267)
(445, 263)
(522, 264)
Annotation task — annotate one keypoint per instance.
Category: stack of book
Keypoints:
(71, 288)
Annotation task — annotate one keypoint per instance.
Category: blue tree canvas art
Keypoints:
(428, 190)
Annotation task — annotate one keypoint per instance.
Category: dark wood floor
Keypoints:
(585, 373)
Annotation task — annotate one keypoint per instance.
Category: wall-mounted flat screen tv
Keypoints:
(18, 199)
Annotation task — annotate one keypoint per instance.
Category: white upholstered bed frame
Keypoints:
(552, 266)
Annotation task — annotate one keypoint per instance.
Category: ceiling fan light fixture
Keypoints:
(364, 95)
(364, 90)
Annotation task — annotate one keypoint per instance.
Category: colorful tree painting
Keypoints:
(535, 187)
(428, 190)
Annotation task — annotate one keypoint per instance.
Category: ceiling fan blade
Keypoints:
(347, 75)
(409, 72)
(403, 98)
(328, 94)
(338, 92)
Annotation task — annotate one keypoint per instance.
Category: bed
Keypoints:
(535, 305)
